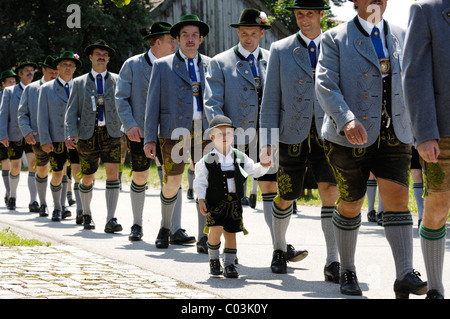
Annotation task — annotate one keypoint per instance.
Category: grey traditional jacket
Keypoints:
(81, 118)
(349, 83)
(231, 88)
(170, 97)
(28, 109)
(9, 124)
(289, 100)
(51, 112)
(131, 91)
(426, 69)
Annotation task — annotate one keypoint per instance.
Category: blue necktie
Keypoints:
(100, 92)
(312, 54)
(193, 76)
(66, 87)
(376, 40)
(251, 61)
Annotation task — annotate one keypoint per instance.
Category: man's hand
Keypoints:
(47, 148)
(29, 139)
(150, 150)
(429, 151)
(355, 132)
(134, 134)
(202, 207)
(71, 143)
(5, 142)
(266, 156)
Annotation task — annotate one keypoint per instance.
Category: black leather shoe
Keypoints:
(70, 199)
(244, 201)
(380, 218)
(43, 210)
(215, 268)
(112, 226)
(11, 203)
(65, 213)
(56, 215)
(279, 263)
(252, 200)
(202, 246)
(434, 294)
(410, 284)
(349, 284)
(190, 194)
(372, 216)
(162, 241)
(6, 199)
(295, 255)
(79, 217)
(88, 223)
(136, 233)
(230, 271)
(181, 238)
(34, 207)
(294, 207)
(331, 272)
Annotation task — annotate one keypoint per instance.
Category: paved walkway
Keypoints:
(65, 272)
(92, 264)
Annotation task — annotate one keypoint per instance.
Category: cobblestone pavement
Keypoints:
(66, 272)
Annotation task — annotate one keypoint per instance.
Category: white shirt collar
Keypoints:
(186, 58)
(308, 40)
(224, 159)
(152, 57)
(95, 73)
(245, 53)
(64, 82)
(367, 26)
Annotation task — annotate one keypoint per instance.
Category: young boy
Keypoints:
(219, 184)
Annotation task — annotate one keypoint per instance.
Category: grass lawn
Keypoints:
(9, 238)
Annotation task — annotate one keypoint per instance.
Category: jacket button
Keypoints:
(245, 122)
(300, 82)
(297, 118)
(245, 105)
(180, 118)
(299, 100)
(181, 103)
(366, 75)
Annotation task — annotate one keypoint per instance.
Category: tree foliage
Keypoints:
(287, 18)
(32, 29)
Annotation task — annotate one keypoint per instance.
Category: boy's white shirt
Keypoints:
(201, 172)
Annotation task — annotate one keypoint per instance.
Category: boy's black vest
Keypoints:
(217, 179)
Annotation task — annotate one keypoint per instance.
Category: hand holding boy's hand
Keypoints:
(266, 156)
(202, 207)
